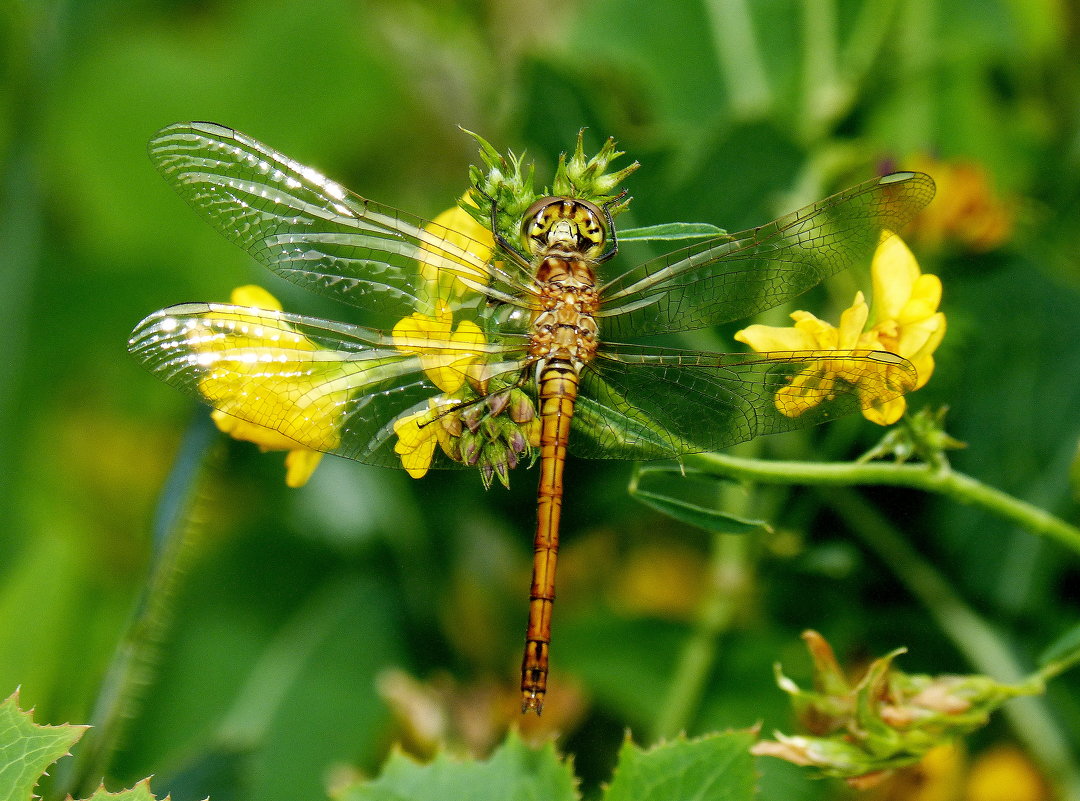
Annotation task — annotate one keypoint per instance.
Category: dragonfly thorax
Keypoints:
(564, 328)
(563, 226)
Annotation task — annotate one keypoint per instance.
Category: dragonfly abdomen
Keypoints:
(558, 387)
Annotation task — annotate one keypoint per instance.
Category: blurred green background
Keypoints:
(284, 649)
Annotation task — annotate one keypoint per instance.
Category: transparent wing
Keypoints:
(638, 402)
(328, 386)
(741, 274)
(314, 232)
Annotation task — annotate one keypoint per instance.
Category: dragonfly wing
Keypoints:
(315, 232)
(739, 275)
(639, 402)
(328, 386)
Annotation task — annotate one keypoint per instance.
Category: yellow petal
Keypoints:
(893, 273)
(886, 413)
(922, 337)
(924, 300)
(300, 463)
(307, 413)
(852, 323)
(823, 335)
(266, 438)
(764, 338)
(802, 394)
(254, 296)
(416, 442)
(418, 331)
(242, 389)
(457, 229)
(444, 354)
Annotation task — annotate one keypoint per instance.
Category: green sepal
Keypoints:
(507, 181)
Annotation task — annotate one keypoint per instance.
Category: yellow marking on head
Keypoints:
(577, 226)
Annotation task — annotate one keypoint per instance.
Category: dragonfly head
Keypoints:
(563, 224)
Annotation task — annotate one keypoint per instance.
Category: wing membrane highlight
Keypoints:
(736, 276)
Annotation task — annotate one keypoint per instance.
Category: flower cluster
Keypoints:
(908, 324)
(472, 422)
(493, 433)
(490, 431)
(886, 720)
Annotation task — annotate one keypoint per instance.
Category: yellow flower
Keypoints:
(313, 420)
(1004, 773)
(444, 353)
(490, 433)
(908, 324)
(967, 210)
(453, 229)
(906, 303)
(420, 432)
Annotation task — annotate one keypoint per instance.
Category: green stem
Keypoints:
(941, 479)
(824, 94)
(726, 581)
(177, 530)
(739, 56)
(1058, 666)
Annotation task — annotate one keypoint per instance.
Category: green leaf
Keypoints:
(140, 792)
(515, 771)
(689, 497)
(671, 232)
(717, 767)
(27, 749)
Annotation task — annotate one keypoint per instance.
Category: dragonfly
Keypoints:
(510, 345)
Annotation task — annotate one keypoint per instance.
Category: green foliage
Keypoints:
(27, 749)
(140, 792)
(292, 604)
(717, 767)
(690, 497)
(713, 768)
(515, 772)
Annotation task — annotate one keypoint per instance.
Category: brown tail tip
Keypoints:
(531, 699)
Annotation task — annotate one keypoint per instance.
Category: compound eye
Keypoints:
(535, 223)
(591, 228)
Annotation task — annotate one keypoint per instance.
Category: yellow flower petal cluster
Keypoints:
(233, 389)
(444, 353)
(966, 211)
(447, 360)
(493, 432)
(418, 434)
(908, 324)
(453, 229)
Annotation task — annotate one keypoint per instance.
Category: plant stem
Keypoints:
(726, 581)
(941, 479)
(739, 57)
(177, 530)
